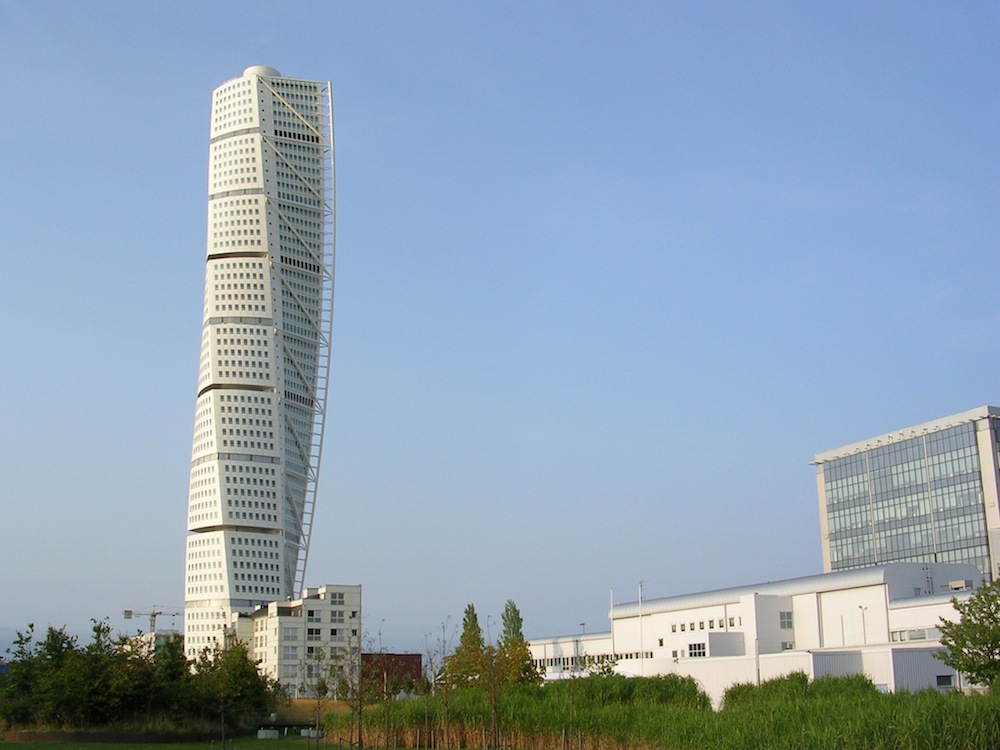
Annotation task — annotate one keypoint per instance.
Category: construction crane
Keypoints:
(152, 615)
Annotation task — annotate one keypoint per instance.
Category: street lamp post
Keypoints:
(642, 650)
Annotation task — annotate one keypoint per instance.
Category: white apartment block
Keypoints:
(262, 378)
(880, 621)
(299, 641)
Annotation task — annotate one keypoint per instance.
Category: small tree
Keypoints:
(429, 683)
(465, 666)
(973, 642)
(442, 682)
(353, 686)
(515, 656)
(598, 666)
(319, 674)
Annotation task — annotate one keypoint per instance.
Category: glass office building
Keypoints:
(923, 494)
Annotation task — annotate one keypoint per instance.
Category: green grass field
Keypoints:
(243, 743)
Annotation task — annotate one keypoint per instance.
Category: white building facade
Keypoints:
(301, 641)
(879, 621)
(262, 378)
(927, 493)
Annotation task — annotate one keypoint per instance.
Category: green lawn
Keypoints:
(245, 743)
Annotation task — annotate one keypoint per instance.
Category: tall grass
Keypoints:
(610, 713)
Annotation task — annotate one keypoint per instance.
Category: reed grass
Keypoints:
(612, 713)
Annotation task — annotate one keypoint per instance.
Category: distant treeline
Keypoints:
(612, 712)
(53, 682)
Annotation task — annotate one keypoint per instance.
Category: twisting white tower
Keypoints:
(262, 381)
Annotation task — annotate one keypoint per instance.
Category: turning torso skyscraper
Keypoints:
(262, 381)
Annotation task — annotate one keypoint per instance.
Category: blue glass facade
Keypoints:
(920, 499)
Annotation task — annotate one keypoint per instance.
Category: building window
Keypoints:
(787, 646)
(661, 643)
(696, 650)
(785, 620)
(673, 628)
(944, 681)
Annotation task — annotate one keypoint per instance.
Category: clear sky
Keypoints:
(608, 276)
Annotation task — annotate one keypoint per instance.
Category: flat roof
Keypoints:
(895, 575)
(973, 415)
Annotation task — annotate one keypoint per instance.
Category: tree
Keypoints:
(112, 678)
(18, 705)
(492, 668)
(598, 666)
(352, 686)
(230, 686)
(320, 672)
(973, 641)
(173, 690)
(332, 668)
(54, 682)
(441, 681)
(465, 666)
(432, 671)
(513, 652)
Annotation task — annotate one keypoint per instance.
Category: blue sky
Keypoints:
(608, 276)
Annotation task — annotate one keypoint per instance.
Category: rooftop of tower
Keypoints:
(261, 70)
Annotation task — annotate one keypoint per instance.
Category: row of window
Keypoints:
(784, 622)
(917, 634)
(248, 444)
(316, 634)
(269, 590)
(237, 308)
(249, 516)
(575, 662)
(684, 626)
(336, 615)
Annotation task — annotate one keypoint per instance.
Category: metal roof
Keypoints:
(847, 579)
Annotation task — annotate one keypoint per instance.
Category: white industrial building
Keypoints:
(299, 641)
(879, 621)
